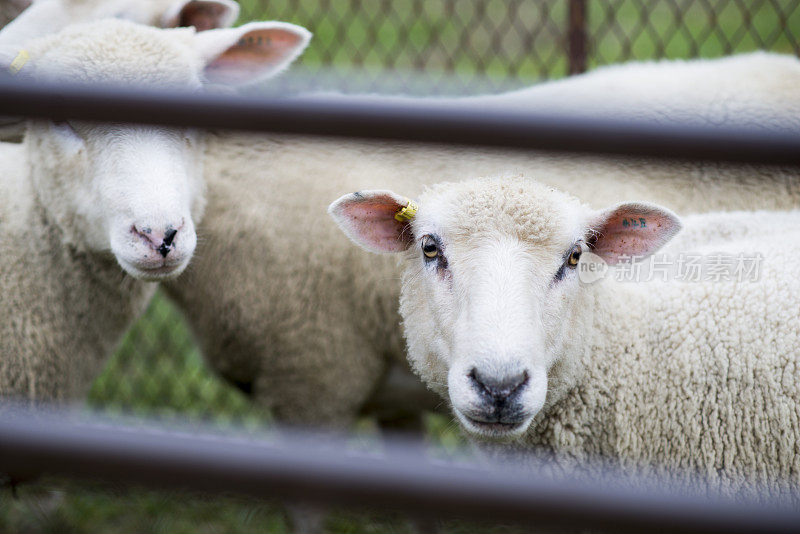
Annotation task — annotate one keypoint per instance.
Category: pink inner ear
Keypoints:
(633, 231)
(256, 52)
(202, 15)
(371, 221)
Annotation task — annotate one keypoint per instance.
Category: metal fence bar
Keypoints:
(405, 122)
(577, 37)
(318, 469)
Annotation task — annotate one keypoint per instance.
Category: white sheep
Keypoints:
(699, 375)
(45, 17)
(297, 300)
(92, 214)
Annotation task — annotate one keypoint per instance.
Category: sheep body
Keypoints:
(83, 204)
(675, 93)
(65, 301)
(694, 378)
(63, 307)
(278, 324)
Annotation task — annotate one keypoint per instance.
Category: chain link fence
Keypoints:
(471, 46)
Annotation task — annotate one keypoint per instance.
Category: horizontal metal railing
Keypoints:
(400, 477)
(405, 121)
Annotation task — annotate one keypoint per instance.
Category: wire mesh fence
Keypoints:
(473, 46)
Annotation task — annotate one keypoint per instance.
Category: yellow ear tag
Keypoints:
(407, 213)
(22, 58)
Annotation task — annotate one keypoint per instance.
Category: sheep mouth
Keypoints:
(162, 270)
(152, 273)
(494, 428)
(495, 425)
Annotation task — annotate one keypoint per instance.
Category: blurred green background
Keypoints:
(478, 45)
(454, 45)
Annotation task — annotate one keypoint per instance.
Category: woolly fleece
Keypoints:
(65, 306)
(675, 377)
(286, 308)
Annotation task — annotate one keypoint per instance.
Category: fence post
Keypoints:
(577, 36)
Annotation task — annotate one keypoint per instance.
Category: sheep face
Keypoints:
(494, 312)
(132, 191)
(137, 191)
(501, 303)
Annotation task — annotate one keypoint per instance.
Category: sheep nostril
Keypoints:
(166, 244)
(169, 235)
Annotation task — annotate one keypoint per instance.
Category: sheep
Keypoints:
(94, 215)
(664, 374)
(318, 342)
(49, 16)
(245, 330)
(308, 327)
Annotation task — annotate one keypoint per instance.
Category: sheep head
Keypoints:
(134, 190)
(494, 312)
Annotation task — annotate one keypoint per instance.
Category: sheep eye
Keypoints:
(574, 256)
(429, 247)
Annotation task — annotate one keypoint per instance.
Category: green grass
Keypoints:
(158, 370)
(62, 507)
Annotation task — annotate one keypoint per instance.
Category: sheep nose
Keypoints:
(160, 240)
(166, 243)
(498, 390)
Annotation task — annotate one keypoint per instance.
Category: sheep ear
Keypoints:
(252, 52)
(378, 221)
(202, 14)
(631, 229)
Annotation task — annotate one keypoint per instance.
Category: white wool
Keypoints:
(84, 204)
(675, 375)
(755, 90)
(276, 323)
